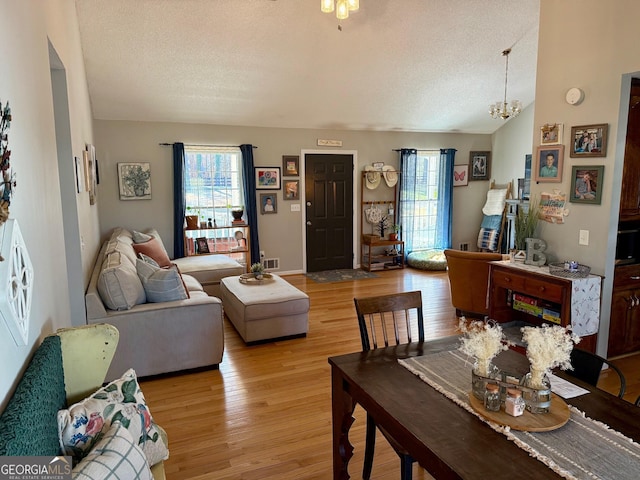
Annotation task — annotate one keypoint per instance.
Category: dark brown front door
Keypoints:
(329, 211)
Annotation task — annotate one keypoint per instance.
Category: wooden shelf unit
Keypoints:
(373, 251)
(221, 241)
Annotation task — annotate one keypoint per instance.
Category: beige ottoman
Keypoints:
(267, 311)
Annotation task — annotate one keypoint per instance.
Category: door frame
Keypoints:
(303, 200)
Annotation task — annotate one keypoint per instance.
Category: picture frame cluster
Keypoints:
(586, 141)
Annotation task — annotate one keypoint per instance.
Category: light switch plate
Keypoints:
(584, 237)
(295, 207)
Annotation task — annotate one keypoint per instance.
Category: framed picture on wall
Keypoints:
(548, 167)
(290, 165)
(460, 175)
(551, 134)
(587, 184)
(134, 181)
(267, 178)
(589, 141)
(292, 189)
(268, 203)
(479, 166)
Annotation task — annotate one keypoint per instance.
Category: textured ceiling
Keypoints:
(403, 65)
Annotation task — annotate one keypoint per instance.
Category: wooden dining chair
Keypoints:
(388, 320)
(587, 367)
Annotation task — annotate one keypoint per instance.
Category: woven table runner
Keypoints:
(582, 449)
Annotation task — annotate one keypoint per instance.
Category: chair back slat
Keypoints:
(389, 316)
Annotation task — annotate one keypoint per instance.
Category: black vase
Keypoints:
(237, 214)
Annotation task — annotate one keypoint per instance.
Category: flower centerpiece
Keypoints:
(483, 341)
(548, 347)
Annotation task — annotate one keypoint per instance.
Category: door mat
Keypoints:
(332, 276)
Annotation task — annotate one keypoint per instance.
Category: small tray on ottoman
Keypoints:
(250, 279)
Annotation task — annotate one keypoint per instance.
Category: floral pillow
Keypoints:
(86, 423)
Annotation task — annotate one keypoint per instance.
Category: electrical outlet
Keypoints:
(584, 237)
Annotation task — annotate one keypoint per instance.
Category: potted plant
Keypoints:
(526, 223)
(258, 270)
(237, 212)
(192, 218)
(395, 229)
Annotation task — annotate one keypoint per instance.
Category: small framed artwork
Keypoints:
(93, 174)
(79, 166)
(551, 134)
(267, 178)
(589, 141)
(378, 166)
(268, 203)
(479, 166)
(134, 181)
(586, 184)
(460, 175)
(290, 165)
(202, 245)
(292, 189)
(548, 167)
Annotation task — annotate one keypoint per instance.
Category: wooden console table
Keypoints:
(577, 299)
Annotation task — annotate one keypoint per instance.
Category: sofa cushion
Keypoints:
(139, 237)
(191, 284)
(161, 284)
(115, 457)
(154, 249)
(118, 283)
(84, 424)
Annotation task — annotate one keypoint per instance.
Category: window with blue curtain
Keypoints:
(425, 202)
(213, 183)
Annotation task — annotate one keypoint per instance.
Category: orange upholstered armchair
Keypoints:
(469, 278)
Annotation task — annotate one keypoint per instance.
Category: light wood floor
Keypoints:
(266, 413)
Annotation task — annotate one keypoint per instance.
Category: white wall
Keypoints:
(26, 84)
(594, 54)
(138, 142)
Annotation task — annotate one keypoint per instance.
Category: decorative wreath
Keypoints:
(8, 179)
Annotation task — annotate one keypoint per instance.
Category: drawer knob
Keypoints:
(635, 277)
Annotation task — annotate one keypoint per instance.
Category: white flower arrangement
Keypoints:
(483, 341)
(548, 347)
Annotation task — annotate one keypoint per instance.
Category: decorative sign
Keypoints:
(329, 143)
(16, 280)
(552, 207)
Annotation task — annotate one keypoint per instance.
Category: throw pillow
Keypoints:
(154, 249)
(84, 424)
(139, 237)
(161, 284)
(148, 259)
(115, 457)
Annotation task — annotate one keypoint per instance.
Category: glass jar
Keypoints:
(537, 398)
(479, 382)
(492, 397)
(514, 403)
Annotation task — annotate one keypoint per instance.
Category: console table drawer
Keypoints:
(545, 290)
(508, 280)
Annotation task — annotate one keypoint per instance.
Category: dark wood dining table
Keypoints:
(448, 441)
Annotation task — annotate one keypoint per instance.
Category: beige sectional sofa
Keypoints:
(155, 338)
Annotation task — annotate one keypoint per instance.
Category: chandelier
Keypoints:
(341, 7)
(502, 109)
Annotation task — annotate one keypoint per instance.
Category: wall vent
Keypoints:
(464, 247)
(271, 263)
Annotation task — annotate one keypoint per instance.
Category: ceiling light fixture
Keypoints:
(341, 7)
(502, 109)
